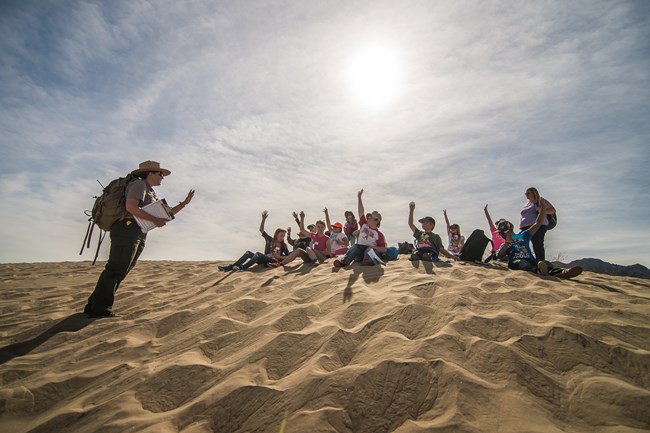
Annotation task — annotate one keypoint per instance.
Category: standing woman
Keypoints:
(127, 240)
(529, 215)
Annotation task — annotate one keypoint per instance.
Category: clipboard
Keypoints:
(159, 209)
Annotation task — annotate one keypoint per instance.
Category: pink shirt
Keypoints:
(497, 240)
(319, 243)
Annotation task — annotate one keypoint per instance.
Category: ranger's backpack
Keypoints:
(474, 247)
(109, 207)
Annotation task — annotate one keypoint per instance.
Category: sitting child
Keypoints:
(369, 239)
(456, 240)
(520, 257)
(427, 243)
(274, 251)
(497, 240)
(350, 227)
(320, 247)
(338, 240)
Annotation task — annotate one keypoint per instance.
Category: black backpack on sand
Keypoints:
(474, 247)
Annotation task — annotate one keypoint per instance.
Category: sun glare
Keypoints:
(374, 76)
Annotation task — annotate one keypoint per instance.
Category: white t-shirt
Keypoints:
(336, 240)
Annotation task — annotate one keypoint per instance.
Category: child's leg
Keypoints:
(264, 260)
(312, 255)
(291, 257)
(320, 256)
(247, 255)
(523, 265)
(253, 261)
(352, 254)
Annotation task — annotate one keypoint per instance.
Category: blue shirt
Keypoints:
(520, 247)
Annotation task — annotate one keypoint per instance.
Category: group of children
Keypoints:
(363, 241)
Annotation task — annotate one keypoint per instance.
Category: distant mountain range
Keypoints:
(601, 267)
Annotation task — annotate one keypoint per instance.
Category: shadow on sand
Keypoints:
(71, 323)
(370, 274)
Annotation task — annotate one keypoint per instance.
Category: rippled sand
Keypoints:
(402, 348)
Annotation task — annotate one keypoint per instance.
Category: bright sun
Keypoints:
(374, 76)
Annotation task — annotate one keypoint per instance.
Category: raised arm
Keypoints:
(303, 232)
(289, 239)
(327, 219)
(540, 218)
(444, 211)
(411, 210)
(295, 217)
(487, 215)
(181, 204)
(360, 204)
(265, 215)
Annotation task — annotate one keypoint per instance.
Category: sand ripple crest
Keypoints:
(408, 347)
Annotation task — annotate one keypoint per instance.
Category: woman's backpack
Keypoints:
(108, 208)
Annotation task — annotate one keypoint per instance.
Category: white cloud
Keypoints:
(247, 103)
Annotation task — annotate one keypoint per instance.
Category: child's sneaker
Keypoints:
(570, 273)
(542, 268)
(226, 268)
(237, 268)
(338, 264)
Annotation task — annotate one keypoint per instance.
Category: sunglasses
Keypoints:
(160, 173)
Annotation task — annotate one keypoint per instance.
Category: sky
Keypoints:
(297, 105)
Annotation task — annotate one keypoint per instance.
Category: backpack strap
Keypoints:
(102, 235)
(89, 233)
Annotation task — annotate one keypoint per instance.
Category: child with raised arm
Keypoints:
(350, 226)
(520, 257)
(369, 239)
(339, 242)
(456, 240)
(428, 244)
(320, 247)
(303, 242)
(497, 240)
(275, 250)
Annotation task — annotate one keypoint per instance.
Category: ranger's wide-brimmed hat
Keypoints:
(150, 166)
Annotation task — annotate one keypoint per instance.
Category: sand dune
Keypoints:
(402, 348)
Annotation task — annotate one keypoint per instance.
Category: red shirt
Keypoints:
(319, 243)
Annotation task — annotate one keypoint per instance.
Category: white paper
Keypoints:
(158, 209)
(375, 258)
